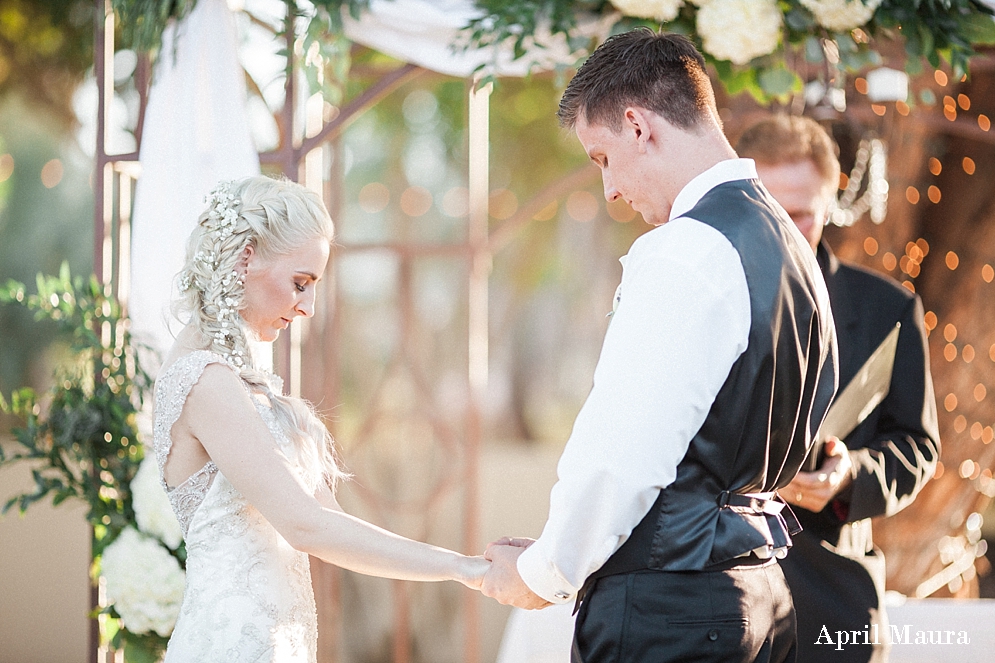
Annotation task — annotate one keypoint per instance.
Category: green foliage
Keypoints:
(937, 30)
(45, 47)
(143, 21)
(519, 20)
(84, 443)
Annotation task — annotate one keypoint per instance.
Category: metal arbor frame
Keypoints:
(301, 158)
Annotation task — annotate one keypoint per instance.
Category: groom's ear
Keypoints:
(636, 122)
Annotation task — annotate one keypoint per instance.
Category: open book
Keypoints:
(864, 392)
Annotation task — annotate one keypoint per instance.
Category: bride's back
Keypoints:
(252, 264)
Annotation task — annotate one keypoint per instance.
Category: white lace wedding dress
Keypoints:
(248, 593)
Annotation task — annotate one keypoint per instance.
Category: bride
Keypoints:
(251, 473)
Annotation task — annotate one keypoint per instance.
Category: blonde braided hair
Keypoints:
(275, 217)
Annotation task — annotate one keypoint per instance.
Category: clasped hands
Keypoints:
(814, 490)
(501, 581)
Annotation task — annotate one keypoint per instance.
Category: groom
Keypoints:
(716, 371)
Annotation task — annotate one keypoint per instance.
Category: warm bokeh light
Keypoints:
(949, 351)
(960, 423)
(950, 333)
(923, 246)
(456, 202)
(902, 108)
(582, 206)
(987, 273)
(6, 167)
(547, 212)
(912, 195)
(860, 85)
(620, 211)
(940, 469)
(967, 352)
(871, 246)
(991, 352)
(933, 193)
(502, 204)
(929, 320)
(51, 173)
(952, 260)
(950, 402)
(984, 122)
(987, 434)
(980, 391)
(879, 109)
(914, 252)
(968, 165)
(935, 166)
(844, 181)
(909, 285)
(374, 197)
(976, 429)
(950, 112)
(416, 201)
(964, 101)
(940, 77)
(889, 261)
(967, 469)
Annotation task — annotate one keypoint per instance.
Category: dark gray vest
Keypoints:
(765, 416)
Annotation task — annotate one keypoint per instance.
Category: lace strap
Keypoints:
(171, 390)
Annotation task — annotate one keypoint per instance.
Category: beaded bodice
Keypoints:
(172, 389)
(248, 593)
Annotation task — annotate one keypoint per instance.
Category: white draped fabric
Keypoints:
(423, 32)
(196, 133)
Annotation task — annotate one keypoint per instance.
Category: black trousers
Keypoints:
(738, 615)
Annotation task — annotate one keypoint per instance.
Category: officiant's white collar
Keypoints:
(722, 172)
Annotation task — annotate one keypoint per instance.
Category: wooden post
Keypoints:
(477, 350)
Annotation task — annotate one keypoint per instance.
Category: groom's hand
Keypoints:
(516, 541)
(502, 582)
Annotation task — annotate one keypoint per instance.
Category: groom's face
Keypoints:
(621, 156)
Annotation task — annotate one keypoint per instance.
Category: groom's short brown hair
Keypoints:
(663, 73)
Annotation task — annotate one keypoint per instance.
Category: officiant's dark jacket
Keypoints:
(835, 574)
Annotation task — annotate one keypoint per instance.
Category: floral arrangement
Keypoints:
(756, 46)
(85, 445)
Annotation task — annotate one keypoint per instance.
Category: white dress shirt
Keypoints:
(682, 320)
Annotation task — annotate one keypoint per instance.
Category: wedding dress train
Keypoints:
(248, 594)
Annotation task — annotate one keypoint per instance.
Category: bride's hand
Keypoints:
(472, 570)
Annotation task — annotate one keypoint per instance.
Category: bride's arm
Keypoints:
(220, 415)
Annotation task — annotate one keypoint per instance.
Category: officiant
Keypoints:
(835, 573)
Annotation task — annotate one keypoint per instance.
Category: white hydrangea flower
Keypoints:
(739, 30)
(144, 583)
(841, 15)
(153, 512)
(661, 10)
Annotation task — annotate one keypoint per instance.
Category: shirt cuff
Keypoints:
(542, 577)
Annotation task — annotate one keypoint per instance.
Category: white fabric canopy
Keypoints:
(196, 134)
(423, 31)
(196, 129)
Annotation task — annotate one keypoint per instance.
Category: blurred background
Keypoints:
(386, 360)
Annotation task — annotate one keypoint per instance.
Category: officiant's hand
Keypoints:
(814, 490)
(502, 582)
